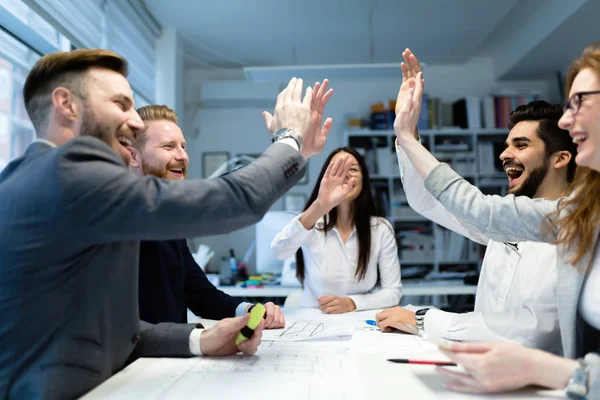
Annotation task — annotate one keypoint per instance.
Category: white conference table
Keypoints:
(421, 288)
(326, 369)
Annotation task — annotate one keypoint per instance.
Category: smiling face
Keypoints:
(524, 160)
(109, 111)
(584, 125)
(355, 172)
(164, 152)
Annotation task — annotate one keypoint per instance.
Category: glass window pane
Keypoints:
(33, 20)
(140, 101)
(16, 131)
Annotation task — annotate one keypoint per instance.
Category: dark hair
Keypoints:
(63, 69)
(554, 138)
(363, 208)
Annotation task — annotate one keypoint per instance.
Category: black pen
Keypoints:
(422, 362)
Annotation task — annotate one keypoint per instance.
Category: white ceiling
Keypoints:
(238, 33)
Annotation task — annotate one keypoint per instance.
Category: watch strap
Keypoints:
(577, 388)
(287, 133)
(420, 318)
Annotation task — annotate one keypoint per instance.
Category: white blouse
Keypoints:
(330, 264)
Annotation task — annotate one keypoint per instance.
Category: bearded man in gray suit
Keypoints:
(72, 216)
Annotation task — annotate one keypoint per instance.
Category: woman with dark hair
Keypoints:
(342, 247)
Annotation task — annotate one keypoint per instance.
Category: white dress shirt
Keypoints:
(516, 294)
(330, 264)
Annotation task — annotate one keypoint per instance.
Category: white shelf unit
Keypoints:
(471, 152)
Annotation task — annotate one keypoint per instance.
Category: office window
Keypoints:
(16, 131)
(140, 100)
(34, 21)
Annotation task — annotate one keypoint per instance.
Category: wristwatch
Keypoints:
(420, 318)
(577, 387)
(288, 133)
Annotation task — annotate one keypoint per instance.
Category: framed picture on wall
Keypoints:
(212, 161)
(294, 202)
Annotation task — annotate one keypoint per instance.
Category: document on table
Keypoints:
(311, 330)
(298, 371)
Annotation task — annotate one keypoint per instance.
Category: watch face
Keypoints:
(421, 311)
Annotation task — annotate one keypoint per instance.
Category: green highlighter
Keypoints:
(257, 313)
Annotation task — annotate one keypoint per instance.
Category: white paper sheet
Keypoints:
(311, 330)
(297, 371)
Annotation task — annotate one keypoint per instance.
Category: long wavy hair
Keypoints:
(363, 208)
(577, 227)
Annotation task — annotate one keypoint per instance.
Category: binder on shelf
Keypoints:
(423, 122)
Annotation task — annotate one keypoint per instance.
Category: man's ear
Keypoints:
(65, 103)
(562, 159)
(136, 158)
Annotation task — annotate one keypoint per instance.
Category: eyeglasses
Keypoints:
(574, 101)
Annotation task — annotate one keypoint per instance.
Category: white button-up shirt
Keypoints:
(330, 264)
(516, 294)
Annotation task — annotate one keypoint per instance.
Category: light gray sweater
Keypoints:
(519, 218)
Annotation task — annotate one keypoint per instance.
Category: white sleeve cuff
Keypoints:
(195, 342)
(240, 310)
(437, 322)
(290, 142)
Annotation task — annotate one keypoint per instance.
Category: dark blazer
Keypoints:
(71, 219)
(171, 282)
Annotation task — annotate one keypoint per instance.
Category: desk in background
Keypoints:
(421, 288)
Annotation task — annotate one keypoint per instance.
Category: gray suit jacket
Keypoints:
(519, 218)
(70, 223)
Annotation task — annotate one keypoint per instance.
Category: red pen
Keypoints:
(423, 362)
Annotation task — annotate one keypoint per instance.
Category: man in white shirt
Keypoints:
(516, 292)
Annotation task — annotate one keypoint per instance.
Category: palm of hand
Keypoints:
(403, 93)
(315, 138)
(331, 191)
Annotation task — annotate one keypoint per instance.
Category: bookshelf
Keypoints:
(425, 248)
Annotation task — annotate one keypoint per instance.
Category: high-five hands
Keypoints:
(335, 184)
(410, 98)
(305, 115)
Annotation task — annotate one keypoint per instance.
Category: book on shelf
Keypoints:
(451, 246)
(466, 113)
(413, 245)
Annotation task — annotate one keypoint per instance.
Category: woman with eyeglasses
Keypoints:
(573, 223)
(342, 247)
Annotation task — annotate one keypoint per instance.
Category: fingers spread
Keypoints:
(326, 127)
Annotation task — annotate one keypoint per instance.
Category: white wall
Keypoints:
(241, 130)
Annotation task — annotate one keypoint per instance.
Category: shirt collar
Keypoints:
(49, 143)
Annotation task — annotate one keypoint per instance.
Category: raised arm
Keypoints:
(332, 190)
(98, 191)
(499, 218)
(420, 200)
